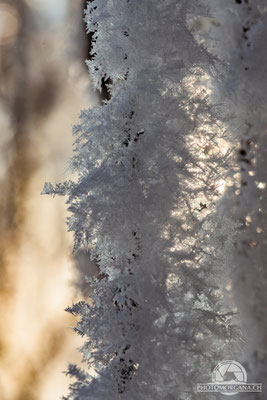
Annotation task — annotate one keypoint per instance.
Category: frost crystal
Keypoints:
(152, 165)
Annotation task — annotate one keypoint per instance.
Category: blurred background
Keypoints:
(44, 83)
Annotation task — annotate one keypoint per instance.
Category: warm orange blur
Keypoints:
(43, 86)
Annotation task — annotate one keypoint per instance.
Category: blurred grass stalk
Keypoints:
(43, 86)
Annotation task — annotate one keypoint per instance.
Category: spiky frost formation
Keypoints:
(152, 165)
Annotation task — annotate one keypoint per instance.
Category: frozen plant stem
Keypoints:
(147, 205)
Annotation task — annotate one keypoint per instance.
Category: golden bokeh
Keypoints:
(43, 86)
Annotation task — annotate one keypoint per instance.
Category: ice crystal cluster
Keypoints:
(153, 167)
(240, 39)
